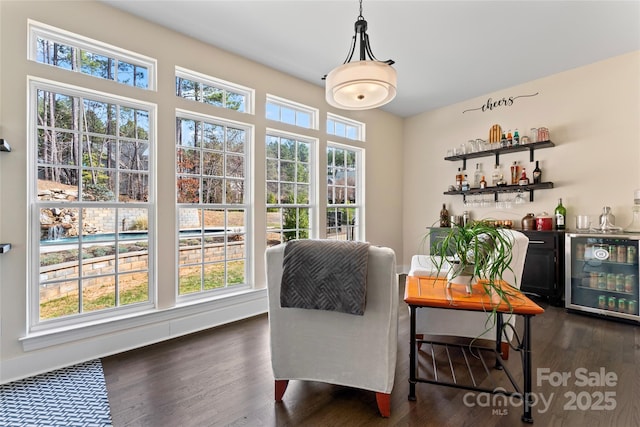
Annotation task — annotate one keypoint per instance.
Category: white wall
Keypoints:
(593, 114)
(98, 21)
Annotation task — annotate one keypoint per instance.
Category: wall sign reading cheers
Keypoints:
(504, 102)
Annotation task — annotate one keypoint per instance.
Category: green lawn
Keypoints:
(104, 297)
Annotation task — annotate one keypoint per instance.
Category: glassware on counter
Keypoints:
(583, 223)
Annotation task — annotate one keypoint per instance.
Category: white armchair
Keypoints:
(433, 321)
(334, 347)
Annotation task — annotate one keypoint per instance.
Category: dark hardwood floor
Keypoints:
(222, 377)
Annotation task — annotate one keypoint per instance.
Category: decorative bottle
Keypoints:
(516, 137)
(561, 215)
(509, 139)
(607, 219)
(444, 216)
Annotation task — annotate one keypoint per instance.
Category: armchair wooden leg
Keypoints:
(280, 388)
(384, 404)
(504, 350)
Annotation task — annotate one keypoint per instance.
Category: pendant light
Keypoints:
(364, 84)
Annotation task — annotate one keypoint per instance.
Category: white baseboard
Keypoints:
(47, 353)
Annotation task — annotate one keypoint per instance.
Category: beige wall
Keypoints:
(100, 22)
(593, 114)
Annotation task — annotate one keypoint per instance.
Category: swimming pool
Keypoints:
(129, 236)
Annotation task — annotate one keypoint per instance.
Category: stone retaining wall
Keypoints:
(132, 269)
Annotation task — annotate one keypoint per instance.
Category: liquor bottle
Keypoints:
(503, 140)
(476, 176)
(509, 139)
(523, 178)
(495, 176)
(459, 180)
(561, 215)
(537, 174)
(444, 216)
(516, 137)
(483, 183)
(514, 173)
(465, 183)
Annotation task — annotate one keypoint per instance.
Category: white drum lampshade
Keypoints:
(361, 85)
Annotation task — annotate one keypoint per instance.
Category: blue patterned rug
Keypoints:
(70, 397)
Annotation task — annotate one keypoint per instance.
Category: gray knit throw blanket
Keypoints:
(325, 275)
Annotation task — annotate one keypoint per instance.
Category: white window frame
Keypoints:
(35, 324)
(39, 30)
(227, 86)
(296, 107)
(360, 188)
(313, 179)
(247, 206)
(360, 128)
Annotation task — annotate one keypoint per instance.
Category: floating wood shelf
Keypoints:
(503, 189)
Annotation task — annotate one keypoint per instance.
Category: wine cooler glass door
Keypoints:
(603, 275)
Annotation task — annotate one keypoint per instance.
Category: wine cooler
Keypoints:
(602, 274)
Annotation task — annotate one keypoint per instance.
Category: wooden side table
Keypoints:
(422, 292)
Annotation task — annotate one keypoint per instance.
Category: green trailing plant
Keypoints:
(482, 251)
(479, 250)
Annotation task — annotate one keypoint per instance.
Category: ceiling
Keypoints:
(445, 51)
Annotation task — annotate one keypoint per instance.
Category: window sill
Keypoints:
(167, 319)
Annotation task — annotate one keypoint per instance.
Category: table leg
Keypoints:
(499, 326)
(412, 353)
(526, 368)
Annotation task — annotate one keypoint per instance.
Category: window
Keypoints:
(290, 197)
(93, 213)
(344, 192)
(62, 49)
(212, 196)
(201, 88)
(346, 128)
(92, 203)
(292, 113)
